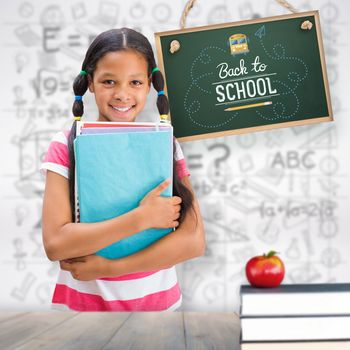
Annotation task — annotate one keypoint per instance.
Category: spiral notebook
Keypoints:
(116, 169)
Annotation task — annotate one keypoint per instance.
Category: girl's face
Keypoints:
(121, 85)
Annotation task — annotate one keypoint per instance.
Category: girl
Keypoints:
(118, 69)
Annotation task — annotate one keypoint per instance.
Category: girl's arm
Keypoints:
(188, 241)
(64, 239)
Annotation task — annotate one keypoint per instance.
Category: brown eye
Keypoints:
(108, 82)
(136, 82)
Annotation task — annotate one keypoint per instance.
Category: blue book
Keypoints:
(114, 172)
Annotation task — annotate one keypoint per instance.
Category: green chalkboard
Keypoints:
(245, 76)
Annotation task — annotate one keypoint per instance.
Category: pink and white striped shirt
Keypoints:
(145, 291)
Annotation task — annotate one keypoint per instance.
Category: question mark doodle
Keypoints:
(220, 172)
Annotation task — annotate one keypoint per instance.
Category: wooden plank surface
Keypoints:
(212, 331)
(105, 330)
(91, 330)
(150, 331)
(18, 330)
(6, 315)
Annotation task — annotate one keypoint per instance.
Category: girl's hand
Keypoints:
(161, 212)
(86, 268)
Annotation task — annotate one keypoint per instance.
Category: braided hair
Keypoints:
(111, 41)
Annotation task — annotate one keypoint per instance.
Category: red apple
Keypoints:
(265, 270)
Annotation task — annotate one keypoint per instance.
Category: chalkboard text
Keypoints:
(243, 88)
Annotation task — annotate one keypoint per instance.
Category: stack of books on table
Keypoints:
(117, 164)
(296, 317)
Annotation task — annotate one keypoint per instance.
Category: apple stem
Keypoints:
(271, 253)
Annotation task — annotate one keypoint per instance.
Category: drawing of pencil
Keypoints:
(260, 104)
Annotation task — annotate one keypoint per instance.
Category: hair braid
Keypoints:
(80, 86)
(162, 100)
(163, 108)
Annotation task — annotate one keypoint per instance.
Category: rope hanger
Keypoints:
(175, 45)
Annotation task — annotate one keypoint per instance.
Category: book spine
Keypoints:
(76, 184)
(299, 288)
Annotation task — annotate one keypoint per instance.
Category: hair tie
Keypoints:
(77, 119)
(83, 72)
(155, 69)
(161, 92)
(163, 117)
(78, 98)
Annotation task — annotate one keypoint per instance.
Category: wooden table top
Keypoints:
(105, 330)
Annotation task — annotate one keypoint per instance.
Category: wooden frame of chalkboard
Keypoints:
(245, 76)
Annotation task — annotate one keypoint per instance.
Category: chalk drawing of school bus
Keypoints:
(238, 44)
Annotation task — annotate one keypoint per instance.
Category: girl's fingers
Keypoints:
(64, 265)
(160, 188)
(74, 260)
(176, 200)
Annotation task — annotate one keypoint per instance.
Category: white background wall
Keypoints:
(250, 202)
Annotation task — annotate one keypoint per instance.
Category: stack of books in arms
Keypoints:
(117, 164)
(296, 317)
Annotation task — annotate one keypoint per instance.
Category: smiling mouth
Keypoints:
(122, 109)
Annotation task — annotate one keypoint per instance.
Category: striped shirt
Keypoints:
(145, 291)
